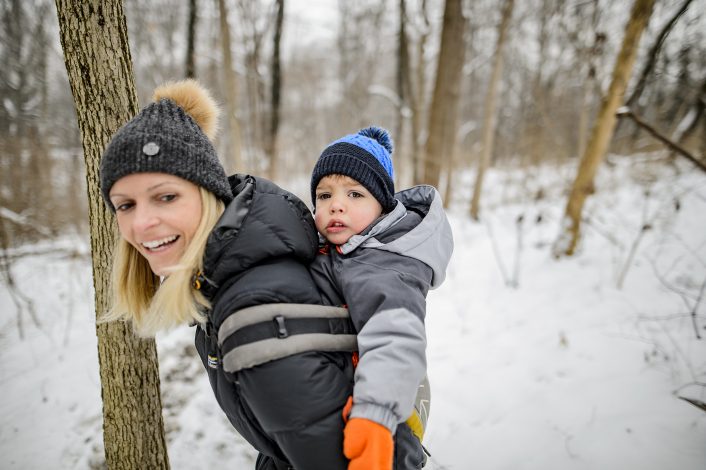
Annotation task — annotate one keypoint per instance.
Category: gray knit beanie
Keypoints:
(170, 136)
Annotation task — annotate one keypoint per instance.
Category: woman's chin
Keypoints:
(162, 269)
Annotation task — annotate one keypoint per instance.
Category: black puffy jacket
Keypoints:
(289, 409)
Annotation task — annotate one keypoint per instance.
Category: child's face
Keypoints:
(158, 214)
(343, 208)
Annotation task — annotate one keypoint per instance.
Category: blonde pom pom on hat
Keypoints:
(171, 135)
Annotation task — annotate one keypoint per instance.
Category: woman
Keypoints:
(230, 256)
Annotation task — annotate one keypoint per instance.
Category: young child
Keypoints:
(381, 252)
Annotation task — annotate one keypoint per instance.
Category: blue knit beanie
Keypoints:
(365, 157)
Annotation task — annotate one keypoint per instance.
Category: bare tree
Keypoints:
(603, 129)
(589, 55)
(254, 29)
(276, 91)
(402, 81)
(234, 160)
(360, 48)
(653, 52)
(443, 116)
(190, 63)
(25, 159)
(490, 113)
(409, 85)
(97, 57)
(418, 94)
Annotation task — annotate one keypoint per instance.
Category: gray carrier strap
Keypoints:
(281, 343)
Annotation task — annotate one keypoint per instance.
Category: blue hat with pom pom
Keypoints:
(365, 157)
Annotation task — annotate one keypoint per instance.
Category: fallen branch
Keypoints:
(24, 221)
(626, 112)
(697, 403)
(695, 309)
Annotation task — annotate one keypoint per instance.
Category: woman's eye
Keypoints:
(167, 197)
(122, 207)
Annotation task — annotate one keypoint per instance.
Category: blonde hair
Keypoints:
(138, 297)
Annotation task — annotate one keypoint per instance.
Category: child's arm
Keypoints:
(386, 299)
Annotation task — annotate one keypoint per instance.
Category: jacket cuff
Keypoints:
(380, 414)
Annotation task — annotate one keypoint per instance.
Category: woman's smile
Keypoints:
(157, 214)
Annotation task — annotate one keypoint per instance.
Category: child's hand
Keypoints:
(368, 445)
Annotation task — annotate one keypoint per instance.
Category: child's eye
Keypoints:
(322, 196)
(356, 194)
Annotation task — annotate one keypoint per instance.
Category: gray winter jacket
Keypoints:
(383, 276)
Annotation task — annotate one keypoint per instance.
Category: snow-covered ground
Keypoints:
(535, 363)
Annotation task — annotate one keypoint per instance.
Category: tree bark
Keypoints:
(489, 112)
(276, 91)
(603, 129)
(443, 117)
(190, 62)
(98, 63)
(234, 159)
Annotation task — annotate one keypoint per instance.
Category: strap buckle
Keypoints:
(281, 327)
(201, 283)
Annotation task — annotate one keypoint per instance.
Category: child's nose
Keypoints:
(336, 205)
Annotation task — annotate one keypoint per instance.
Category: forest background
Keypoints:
(343, 66)
(518, 88)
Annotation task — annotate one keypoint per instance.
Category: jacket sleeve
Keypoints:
(386, 296)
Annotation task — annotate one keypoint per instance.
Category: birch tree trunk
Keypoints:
(603, 129)
(97, 58)
(234, 159)
(489, 112)
(443, 117)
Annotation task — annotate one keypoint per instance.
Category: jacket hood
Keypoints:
(262, 222)
(429, 240)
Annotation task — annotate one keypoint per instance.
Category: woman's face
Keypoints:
(157, 214)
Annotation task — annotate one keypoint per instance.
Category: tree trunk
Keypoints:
(589, 57)
(233, 158)
(250, 19)
(402, 83)
(489, 112)
(98, 63)
(443, 118)
(190, 65)
(602, 129)
(417, 97)
(276, 91)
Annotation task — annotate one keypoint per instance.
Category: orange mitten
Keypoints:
(368, 445)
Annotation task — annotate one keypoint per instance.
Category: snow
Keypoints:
(562, 371)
